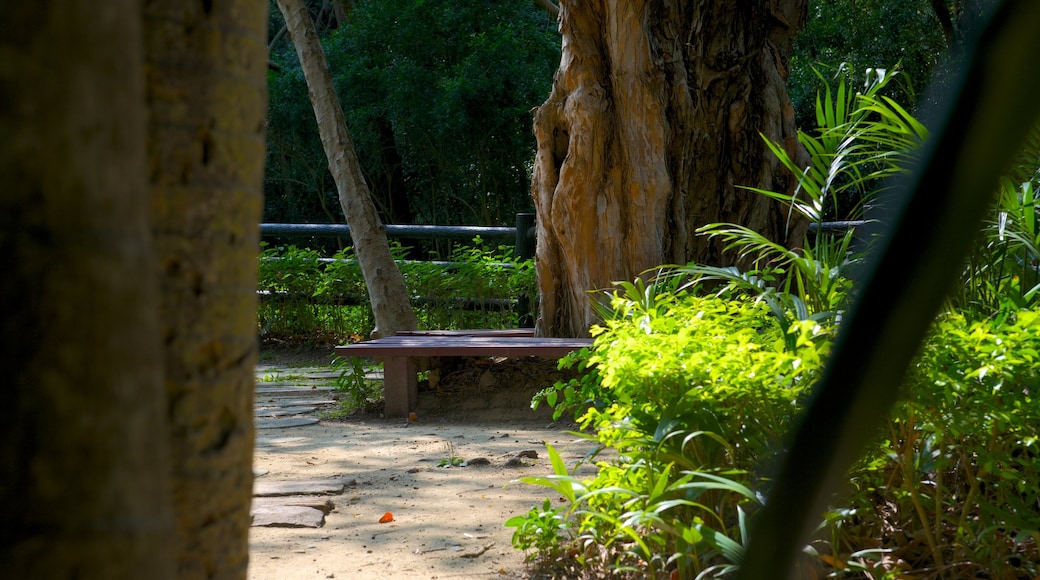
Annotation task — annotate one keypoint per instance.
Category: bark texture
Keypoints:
(652, 126)
(83, 466)
(207, 103)
(386, 290)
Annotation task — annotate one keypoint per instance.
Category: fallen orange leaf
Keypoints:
(387, 517)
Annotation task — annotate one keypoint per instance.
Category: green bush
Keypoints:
(305, 296)
(952, 483)
(692, 393)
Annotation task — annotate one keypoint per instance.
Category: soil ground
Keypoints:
(447, 521)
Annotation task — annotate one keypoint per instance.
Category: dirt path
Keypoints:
(447, 521)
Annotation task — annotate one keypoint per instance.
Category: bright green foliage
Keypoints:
(361, 393)
(471, 273)
(959, 461)
(302, 295)
(862, 139)
(703, 364)
(1003, 271)
(691, 393)
(306, 296)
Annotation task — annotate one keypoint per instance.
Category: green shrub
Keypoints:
(472, 274)
(956, 468)
(692, 393)
(310, 297)
(1002, 273)
(360, 393)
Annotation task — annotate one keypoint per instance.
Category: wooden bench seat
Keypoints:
(479, 332)
(399, 354)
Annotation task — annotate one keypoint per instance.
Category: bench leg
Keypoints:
(400, 388)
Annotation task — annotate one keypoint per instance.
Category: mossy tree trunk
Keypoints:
(84, 470)
(652, 127)
(206, 64)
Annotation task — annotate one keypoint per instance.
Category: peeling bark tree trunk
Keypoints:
(84, 469)
(207, 103)
(386, 291)
(653, 123)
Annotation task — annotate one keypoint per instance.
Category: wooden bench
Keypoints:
(399, 354)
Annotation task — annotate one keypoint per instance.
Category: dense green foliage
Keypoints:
(437, 96)
(690, 392)
(307, 296)
(864, 34)
(1003, 271)
(957, 465)
(695, 376)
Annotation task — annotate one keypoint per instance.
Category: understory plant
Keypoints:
(359, 392)
(951, 484)
(305, 295)
(862, 139)
(695, 376)
(1002, 273)
(691, 395)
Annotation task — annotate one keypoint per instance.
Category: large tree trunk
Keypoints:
(206, 78)
(652, 126)
(84, 471)
(386, 290)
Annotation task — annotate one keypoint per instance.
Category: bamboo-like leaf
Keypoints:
(993, 108)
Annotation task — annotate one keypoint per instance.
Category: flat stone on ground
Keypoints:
(276, 411)
(322, 503)
(291, 402)
(298, 487)
(268, 423)
(292, 390)
(288, 516)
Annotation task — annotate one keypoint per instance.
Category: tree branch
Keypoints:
(549, 7)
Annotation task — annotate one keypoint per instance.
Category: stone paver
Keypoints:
(284, 422)
(290, 389)
(262, 488)
(288, 516)
(278, 411)
(321, 502)
(286, 398)
(293, 397)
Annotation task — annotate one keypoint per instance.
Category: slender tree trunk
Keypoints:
(207, 101)
(652, 126)
(84, 471)
(386, 290)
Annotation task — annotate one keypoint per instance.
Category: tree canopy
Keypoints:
(917, 35)
(438, 98)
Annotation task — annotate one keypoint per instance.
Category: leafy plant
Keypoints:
(1002, 274)
(361, 393)
(452, 460)
(546, 530)
(306, 295)
(958, 461)
(691, 393)
(542, 529)
(862, 139)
